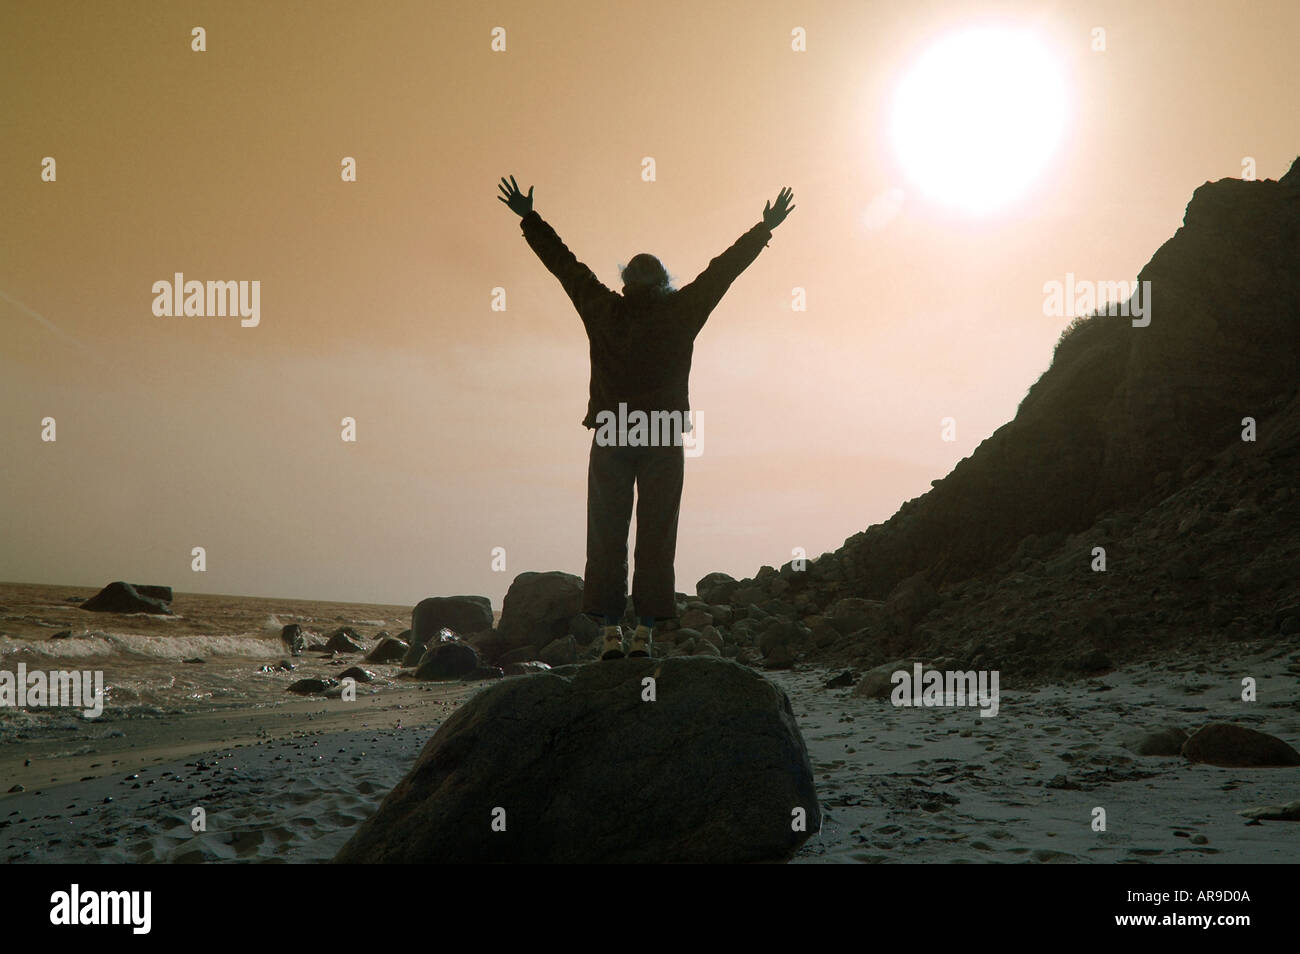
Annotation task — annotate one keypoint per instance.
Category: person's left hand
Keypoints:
(519, 203)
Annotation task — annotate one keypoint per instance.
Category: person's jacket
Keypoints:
(640, 346)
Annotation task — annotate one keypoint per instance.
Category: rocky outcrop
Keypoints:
(119, 597)
(1168, 447)
(1120, 405)
(579, 765)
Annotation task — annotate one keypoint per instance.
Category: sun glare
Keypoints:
(978, 116)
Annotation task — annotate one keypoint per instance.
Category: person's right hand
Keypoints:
(519, 203)
(775, 215)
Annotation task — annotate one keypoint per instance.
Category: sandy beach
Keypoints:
(896, 784)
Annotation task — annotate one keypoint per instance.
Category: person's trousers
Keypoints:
(612, 472)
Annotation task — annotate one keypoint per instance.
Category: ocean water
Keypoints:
(143, 658)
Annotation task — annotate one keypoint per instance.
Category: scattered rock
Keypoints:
(583, 628)
(710, 634)
(1166, 741)
(1221, 743)
(465, 615)
(850, 614)
(311, 687)
(780, 657)
(357, 673)
(1288, 812)
(295, 639)
(450, 660)
(1092, 660)
(909, 602)
(341, 642)
(388, 650)
(523, 654)
(878, 683)
(845, 679)
(526, 668)
(716, 588)
(425, 642)
(696, 619)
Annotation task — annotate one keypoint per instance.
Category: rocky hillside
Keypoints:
(1132, 441)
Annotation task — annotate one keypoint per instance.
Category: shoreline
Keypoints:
(896, 784)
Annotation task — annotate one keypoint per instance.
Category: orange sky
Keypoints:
(375, 295)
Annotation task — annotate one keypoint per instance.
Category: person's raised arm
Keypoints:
(702, 295)
(579, 282)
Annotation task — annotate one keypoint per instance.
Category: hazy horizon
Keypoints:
(376, 295)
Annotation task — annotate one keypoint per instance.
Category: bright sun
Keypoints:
(978, 116)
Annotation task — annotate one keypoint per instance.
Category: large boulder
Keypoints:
(559, 652)
(878, 683)
(538, 607)
(853, 613)
(295, 639)
(1221, 743)
(573, 765)
(119, 597)
(390, 649)
(344, 641)
(448, 660)
(716, 587)
(910, 601)
(463, 615)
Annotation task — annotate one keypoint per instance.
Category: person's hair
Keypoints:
(645, 275)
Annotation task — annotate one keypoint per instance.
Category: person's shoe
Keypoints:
(639, 644)
(611, 642)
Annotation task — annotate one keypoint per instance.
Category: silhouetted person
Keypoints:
(641, 344)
